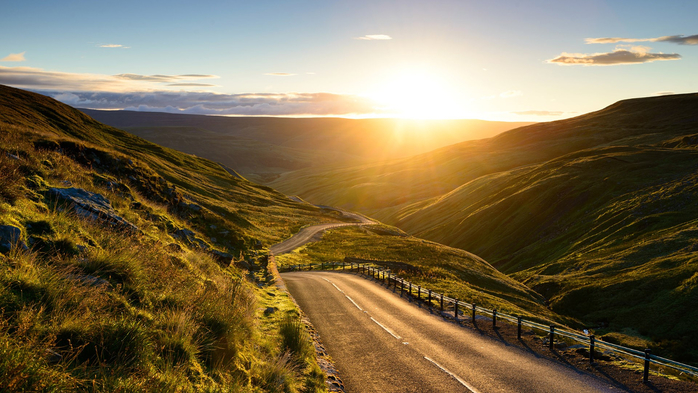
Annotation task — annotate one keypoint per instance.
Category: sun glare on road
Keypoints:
(418, 95)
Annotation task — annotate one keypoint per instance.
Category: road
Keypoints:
(383, 343)
(308, 234)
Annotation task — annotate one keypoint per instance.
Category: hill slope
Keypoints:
(126, 266)
(596, 213)
(262, 148)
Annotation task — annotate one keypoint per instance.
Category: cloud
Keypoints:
(114, 46)
(37, 78)
(374, 37)
(14, 57)
(511, 94)
(676, 39)
(279, 74)
(634, 55)
(191, 84)
(539, 113)
(664, 93)
(205, 103)
(163, 78)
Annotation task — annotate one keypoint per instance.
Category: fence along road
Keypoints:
(381, 343)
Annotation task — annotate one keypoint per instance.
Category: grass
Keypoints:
(451, 271)
(89, 307)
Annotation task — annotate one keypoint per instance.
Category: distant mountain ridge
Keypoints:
(262, 148)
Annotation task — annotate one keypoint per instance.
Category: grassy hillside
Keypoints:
(596, 213)
(451, 271)
(263, 148)
(90, 303)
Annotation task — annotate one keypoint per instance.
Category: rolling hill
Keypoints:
(262, 148)
(597, 213)
(128, 266)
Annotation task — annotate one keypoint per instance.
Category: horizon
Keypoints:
(387, 59)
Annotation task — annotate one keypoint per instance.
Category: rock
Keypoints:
(223, 257)
(258, 244)
(9, 237)
(190, 238)
(12, 156)
(270, 310)
(191, 206)
(90, 205)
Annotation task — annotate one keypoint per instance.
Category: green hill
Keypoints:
(262, 148)
(126, 266)
(597, 213)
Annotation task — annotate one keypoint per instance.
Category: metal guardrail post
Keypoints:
(518, 329)
(552, 337)
(402, 287)
(494, 319)
(591, 348)
(419, 292)
(410, 289)
(646, 373)
(474, 307)
(455, 311)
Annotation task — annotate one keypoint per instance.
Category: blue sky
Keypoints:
(500, 59)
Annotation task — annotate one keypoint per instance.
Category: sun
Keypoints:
(417, 94)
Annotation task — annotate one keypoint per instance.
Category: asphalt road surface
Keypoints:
(383, 343)
(307, 234)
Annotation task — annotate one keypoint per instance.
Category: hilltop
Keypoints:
(595, 213)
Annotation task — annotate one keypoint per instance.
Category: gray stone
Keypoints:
(90, 205)
(9, 237)
(223, 257)
(270, 310)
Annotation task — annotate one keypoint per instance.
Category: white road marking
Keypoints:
(352, 300)
(386, 329)
(345, 295)
(454, 376)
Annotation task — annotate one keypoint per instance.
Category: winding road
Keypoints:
(380, 342)
(383, 343)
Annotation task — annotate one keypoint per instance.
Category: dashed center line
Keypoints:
(386, 329)
(454, 376)
(345, 295)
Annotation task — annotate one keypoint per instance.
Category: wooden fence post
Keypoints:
(591, 348)
(646, 373)
(552, 337)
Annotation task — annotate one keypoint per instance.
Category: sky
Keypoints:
(512, 60)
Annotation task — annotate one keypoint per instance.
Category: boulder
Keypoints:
(223, 257)
(9, 237)
(90, 205)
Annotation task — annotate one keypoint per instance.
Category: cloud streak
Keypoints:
(675, 39)
(14, 57)
(374, 37)
(114, 46)
(204, 103)
(279, 74)
(37, 78)
(635, 55)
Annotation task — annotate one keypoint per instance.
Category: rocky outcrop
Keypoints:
(189, 237)
(90, 205)
(9, 237)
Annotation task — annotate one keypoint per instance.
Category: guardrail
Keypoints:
(445, 303)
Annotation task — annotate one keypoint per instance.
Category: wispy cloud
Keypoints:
(511, 94)
(634, 55)
(539, 113)
(252, 104)
(279, 74)
(664, 93)
(163, 78)
(676, 39)
(191, 84)
(14, 57)
(37, 78)
(114, 46)
(373, 37)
